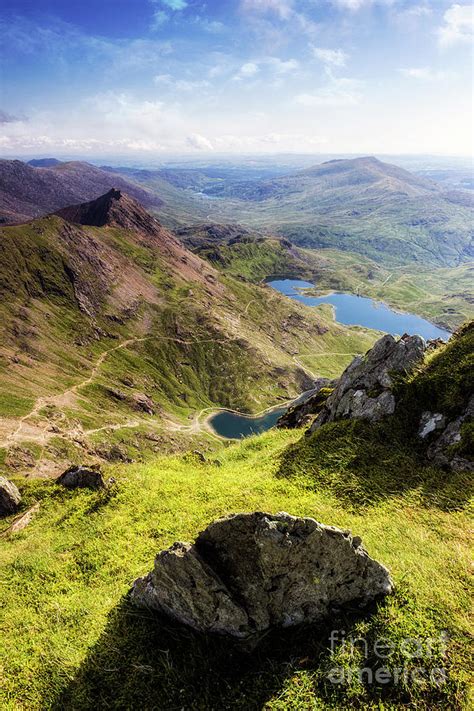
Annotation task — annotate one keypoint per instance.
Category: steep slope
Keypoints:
(115, 337)
(28, 191)
(82, 550)
(362, 205)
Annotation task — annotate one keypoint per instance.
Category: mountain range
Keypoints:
(108, 319)
(41, 187)
(361, 205)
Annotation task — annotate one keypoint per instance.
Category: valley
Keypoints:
(158, 349)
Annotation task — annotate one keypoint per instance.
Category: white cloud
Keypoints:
(354, 5)
(458, 25)
(160, 17)
(282, 66)
(180, 84)
(425, 74)
(247, 70)
(200, 143)
(336, 57)
(339, 92)
(282, 8)
(172, 4)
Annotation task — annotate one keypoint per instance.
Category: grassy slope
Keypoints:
(194, 347)
(70, 640)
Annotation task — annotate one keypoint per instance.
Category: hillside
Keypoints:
(361, 205)
(116, 338)
(83, 549)
(29, 190)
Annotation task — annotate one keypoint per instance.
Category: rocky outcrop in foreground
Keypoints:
(365, 388)
(10, 497)
(250, 572)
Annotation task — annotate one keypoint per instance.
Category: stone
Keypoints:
(430, 422)
(364, 390)
(79, 477)
(199, 455)
(143, 402)
(303, 413)
(440, 451)
(248, 573)
(10, 497)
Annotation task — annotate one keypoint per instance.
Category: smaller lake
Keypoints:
(361, 311)
(236, 426)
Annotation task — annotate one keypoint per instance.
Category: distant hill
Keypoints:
(27, 192)
(44, 162)
(362, 205)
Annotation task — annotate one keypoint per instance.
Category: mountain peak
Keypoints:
(113, 209)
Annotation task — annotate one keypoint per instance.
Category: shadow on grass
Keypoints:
(362, 464)
(144, 661)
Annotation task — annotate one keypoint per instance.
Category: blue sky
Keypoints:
(152, 77)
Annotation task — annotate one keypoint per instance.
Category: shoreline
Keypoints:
(206, 423)
(321, 294)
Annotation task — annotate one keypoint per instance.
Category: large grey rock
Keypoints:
(10, 497)
(365, 388)
(250, 572)
(79, 477)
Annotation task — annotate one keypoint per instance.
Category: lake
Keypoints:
(353, 310)
(236, 426)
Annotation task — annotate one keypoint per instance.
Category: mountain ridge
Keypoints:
(27, 192)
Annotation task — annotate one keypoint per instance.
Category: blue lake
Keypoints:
(351, 310)
(236, 426)
(361, 311)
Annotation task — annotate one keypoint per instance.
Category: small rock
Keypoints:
(10, 497)
(199, 455)
(430, 422)
(79, 477)
(143, 402)
(250, 572)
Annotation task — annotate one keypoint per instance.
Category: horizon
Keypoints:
(164, 79)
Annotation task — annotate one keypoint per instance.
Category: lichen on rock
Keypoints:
(250, 572)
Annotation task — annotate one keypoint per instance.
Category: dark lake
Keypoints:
(361, 311)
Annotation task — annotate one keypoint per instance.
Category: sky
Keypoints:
(157, 77)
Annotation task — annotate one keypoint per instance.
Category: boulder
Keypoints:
(10, 497)
(365, 388)
(79, 477)
(250, 572)
(143, 402)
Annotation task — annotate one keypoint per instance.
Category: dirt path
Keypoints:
(41, 435)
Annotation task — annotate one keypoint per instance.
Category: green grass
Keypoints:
(71, 639)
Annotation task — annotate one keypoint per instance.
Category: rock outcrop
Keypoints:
(10, 497)
(365, 388)
(444, 438)
(303, 413)
(79, 477)
(250, 572)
